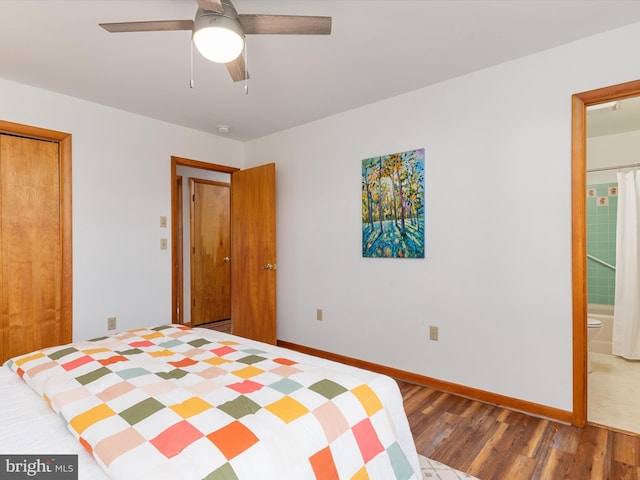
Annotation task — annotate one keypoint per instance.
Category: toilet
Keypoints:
(594, 325)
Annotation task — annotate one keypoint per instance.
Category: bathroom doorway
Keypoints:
(606, 139)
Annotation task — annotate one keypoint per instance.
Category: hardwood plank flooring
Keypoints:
(493, 443)
(218, 325)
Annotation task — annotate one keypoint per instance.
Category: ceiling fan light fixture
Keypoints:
(217, 37)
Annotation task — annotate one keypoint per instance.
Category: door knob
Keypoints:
(269, 266)
(226, 259)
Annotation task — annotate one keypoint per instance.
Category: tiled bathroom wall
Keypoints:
(602, 208)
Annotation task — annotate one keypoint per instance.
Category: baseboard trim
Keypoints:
(524, 406)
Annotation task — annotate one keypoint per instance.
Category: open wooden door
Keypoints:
(253, 253)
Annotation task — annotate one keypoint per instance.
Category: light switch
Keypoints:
(163, 222)
(163, 244)
(433, 333)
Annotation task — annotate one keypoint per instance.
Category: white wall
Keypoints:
(497, 273)
(121, 187)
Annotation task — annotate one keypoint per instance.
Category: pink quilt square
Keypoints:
(222, 351)
(285, 371)
(332, 420)
(112, 447)
(176, 438)
(114, 391)
(179, 334)
(211, 372)
(78, 362)
(31, 372)
(247, 386)
(70, 396)
(367, 439)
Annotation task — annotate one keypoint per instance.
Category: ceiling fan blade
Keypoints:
(237, 69)
(211, 5)
(285, 25)
(153, 26)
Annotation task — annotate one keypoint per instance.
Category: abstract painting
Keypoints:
(393, 190)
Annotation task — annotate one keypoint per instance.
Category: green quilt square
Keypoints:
(58, 354)
(239, 407)
(175, 373)
(251, 359)
(328, 388)
(93, 376)
(198, 342)
(141, 410)
(131, 351)
(225, 472)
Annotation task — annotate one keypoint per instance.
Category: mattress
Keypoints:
(343, 414)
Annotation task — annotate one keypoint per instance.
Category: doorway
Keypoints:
(579, 244)
(182, 226)
(252, 247)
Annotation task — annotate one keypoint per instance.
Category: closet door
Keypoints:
(30, 245)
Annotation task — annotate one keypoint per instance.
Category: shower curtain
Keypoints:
(626, 320)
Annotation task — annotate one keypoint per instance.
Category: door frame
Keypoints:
(580, 102)
(179, 267)
(63, 140)
(176, 256)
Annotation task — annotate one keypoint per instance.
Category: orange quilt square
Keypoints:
(233, 439)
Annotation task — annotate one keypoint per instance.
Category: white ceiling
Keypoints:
(378, 49)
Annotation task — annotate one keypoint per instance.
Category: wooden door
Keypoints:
(210, 252)
(31, 246)
(253, 253)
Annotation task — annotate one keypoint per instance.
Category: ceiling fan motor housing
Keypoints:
(209, 18)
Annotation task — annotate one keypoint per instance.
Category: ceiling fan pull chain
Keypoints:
(191, 67)
(246, 68)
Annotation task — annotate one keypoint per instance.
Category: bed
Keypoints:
(179, 403)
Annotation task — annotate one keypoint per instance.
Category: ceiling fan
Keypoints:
(218, 31)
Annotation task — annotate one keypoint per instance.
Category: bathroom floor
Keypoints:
(614, 392)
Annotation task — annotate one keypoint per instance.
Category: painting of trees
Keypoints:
(393, 205)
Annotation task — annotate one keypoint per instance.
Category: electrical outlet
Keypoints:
(433, 333)
(319, 314)
(163, 222)
(111, 323)
(163, 244)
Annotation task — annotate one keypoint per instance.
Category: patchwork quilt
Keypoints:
(171, 403)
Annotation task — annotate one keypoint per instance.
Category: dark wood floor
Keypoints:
(219, 325)
(493, 443)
